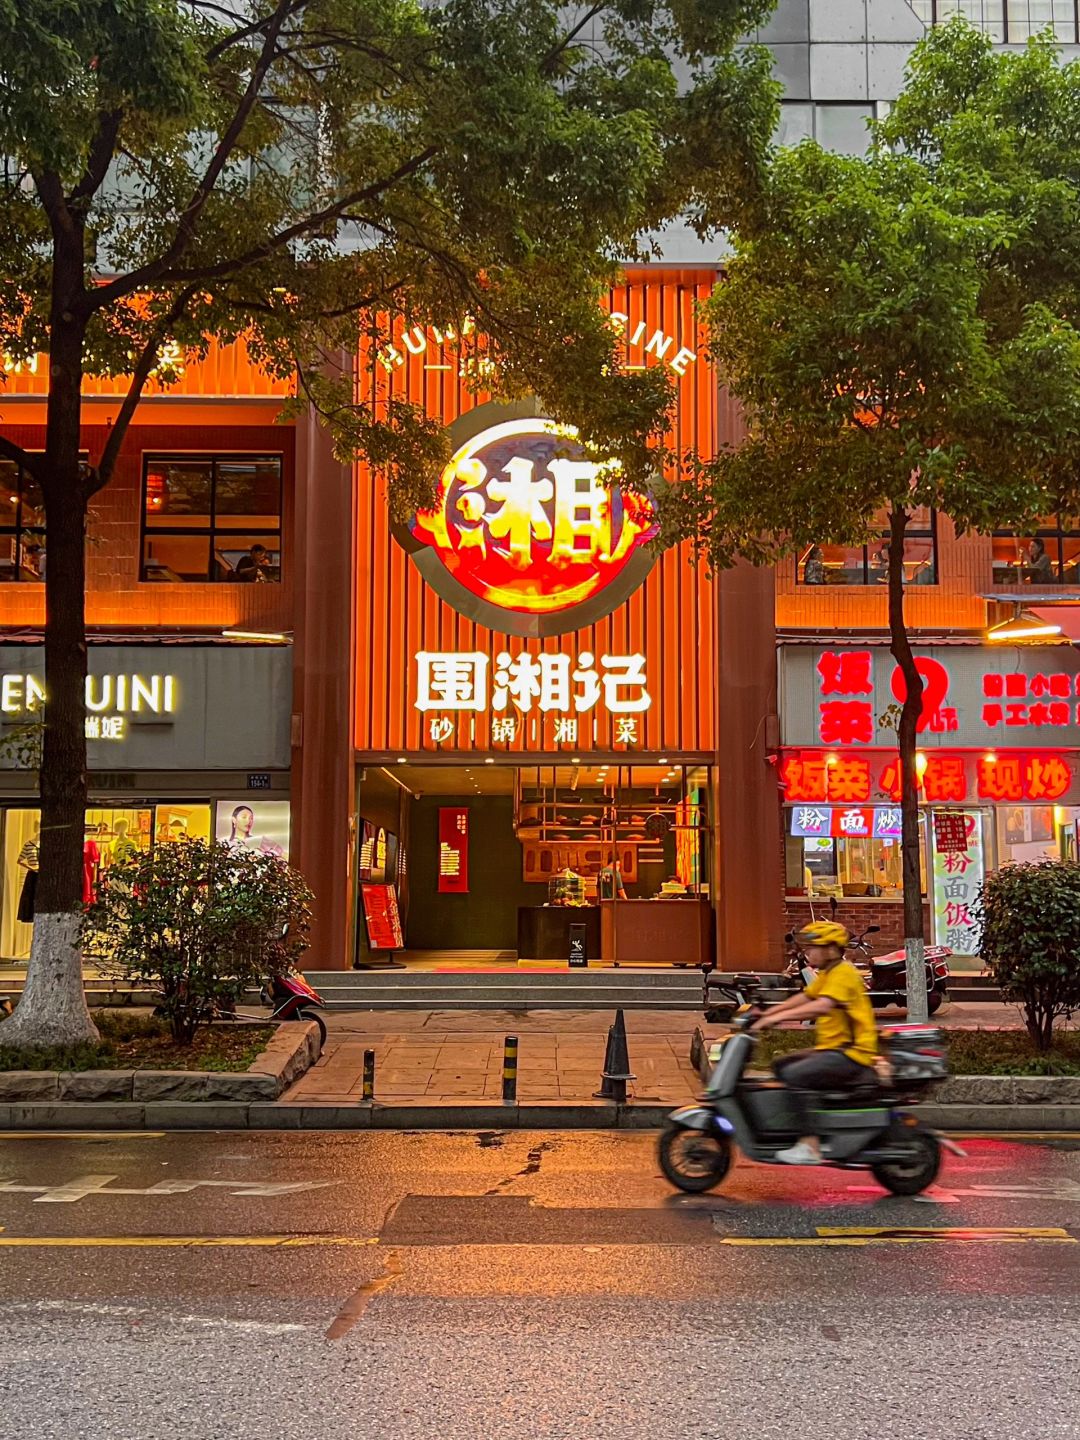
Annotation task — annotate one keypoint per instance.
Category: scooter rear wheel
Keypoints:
(693, 1160)
(912, 1176)
(316, 1019)
(933, 1002)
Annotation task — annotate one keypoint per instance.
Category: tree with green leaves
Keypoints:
(293, 172)
(900, 331)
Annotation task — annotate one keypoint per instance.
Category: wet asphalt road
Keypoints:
(407, 1286)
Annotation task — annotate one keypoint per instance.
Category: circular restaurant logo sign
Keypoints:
(527, 535)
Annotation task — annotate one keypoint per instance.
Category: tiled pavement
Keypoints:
(439, 1064)
(426, 1055)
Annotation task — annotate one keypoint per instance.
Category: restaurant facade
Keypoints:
(539, 696)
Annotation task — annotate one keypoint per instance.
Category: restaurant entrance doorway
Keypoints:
(506, 866)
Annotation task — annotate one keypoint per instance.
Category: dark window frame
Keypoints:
(937, 18)
(881, 537)
(214, 459)
(1056, 534)
(21, 533)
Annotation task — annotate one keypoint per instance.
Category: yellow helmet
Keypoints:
(823, 932)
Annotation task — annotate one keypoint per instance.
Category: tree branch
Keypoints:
(101, 153)
(137, 279)
(21, 457)
(101, 474)
(51, 194)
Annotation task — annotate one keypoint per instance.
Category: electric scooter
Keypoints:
(290, 997)
(859, 1128)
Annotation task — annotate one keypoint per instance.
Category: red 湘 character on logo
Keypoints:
(847, 673)
(846, 722)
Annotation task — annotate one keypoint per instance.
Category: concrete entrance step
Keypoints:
(487, 990)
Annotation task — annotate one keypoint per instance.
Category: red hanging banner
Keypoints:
(453, 851)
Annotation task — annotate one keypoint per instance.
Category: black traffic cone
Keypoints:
(616, 1063)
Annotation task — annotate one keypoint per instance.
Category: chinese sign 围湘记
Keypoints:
(466, 680)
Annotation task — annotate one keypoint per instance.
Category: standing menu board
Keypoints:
(382, 917)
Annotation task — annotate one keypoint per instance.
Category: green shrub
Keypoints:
(200, 922)
(1030, 916)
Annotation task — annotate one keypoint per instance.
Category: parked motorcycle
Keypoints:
(290, 997)
(859, 1128)
(885, 975)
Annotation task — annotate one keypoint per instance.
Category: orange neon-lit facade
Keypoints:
(668, 618)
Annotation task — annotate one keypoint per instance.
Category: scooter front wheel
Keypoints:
(911, 1176)
(694, 1160)
(316, 1019)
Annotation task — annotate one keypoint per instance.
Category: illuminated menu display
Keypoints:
(453, 850)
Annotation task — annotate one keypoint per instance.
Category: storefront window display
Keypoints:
(113, 834)
(261, 826)
(845, 852)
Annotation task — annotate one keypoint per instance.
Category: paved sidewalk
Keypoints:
(458, 1055)
(427, 1056)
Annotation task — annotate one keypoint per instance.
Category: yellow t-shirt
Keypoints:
(849, 1026)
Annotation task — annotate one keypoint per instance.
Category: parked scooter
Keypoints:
(885, 975)
(859, 1128)
(290, 997)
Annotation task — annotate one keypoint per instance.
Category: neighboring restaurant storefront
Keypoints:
(998, 765)
(183, 740)
(537, 697)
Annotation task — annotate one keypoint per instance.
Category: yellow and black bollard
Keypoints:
(369, 1076)
(510, 1057)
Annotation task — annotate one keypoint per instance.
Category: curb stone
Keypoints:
(289, 1053)
(210, 1115)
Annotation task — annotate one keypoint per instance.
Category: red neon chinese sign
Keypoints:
(814, 777)
(527, 525)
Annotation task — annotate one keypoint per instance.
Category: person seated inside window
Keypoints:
(1040, 571)
(814, 566)
(252, 566)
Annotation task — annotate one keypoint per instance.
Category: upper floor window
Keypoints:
(1009, 21)
(1048, 554)
(212, 518)
(868, 564)
(22, 525)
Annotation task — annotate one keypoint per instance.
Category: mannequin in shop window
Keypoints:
(91, 861)
(29, 860)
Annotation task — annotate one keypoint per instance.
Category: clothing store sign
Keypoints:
(165, 707)
(110, 700)
(980, 697)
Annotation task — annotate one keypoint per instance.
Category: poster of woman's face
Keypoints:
(260, 826)
(1014, 826)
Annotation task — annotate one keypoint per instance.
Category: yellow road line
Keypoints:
(82, 1134)
(181, 1242)
(948, 1232)
(866, 1235)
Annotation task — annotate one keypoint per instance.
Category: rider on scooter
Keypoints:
(846, 1036)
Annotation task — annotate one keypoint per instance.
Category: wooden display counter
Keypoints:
(656, 932)
(543, 931)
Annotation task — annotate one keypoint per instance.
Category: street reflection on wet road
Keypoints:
(522, 1284)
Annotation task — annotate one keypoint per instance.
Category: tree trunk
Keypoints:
(914, 938)
(53, 1010)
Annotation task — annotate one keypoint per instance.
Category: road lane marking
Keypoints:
(82, 1134)
(860, 1235)
(128, 1312)
(82, 1186)
(181, 1242)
